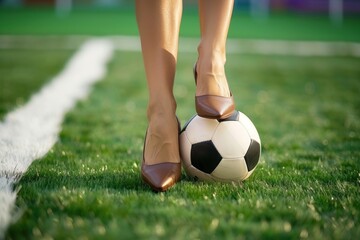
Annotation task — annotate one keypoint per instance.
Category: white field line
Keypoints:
(29, 132)
(282, 47)
(189, 45)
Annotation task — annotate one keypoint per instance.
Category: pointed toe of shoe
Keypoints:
(215, 107)
(160, 177)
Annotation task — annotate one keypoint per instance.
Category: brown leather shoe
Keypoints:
(160, 177)
(212, 106)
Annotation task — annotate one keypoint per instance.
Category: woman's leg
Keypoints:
(215, 19)
(159, 24)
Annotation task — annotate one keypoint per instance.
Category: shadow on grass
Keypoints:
(108, 180)
(118, 181)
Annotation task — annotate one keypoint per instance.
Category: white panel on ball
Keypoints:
(231, 170)
(231, 139)
(249, 126)
(201, 129)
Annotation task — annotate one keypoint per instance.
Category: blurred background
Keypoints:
(348, 6)
(336, 9)
(324, 20)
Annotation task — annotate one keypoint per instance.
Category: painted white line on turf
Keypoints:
(189, 45)
(294, 48)
(280, 47)
(29, 132)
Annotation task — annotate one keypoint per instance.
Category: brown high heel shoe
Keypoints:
(161, 176)
(212, 106)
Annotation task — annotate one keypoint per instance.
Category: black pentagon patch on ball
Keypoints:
(233, 117)
(252, 155)
(204, 156)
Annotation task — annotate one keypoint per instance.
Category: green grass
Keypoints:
(24, 72)
(44, 21)
(306, 110)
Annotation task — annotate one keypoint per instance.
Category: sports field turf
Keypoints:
(306, 186)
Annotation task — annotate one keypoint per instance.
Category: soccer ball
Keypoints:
(220, 150)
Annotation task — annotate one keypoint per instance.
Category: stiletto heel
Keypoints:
(212, 106)
(160, 177)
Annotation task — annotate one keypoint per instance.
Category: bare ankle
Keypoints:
(162, 137)
(161, 107)
(211, 76)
